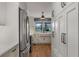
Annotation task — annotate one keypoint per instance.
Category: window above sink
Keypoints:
(43, 26)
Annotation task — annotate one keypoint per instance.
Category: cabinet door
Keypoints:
(63, 34)
(72, 29)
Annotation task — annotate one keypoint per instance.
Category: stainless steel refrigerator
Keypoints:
(24, 43)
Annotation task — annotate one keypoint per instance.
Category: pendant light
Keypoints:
(42, 17)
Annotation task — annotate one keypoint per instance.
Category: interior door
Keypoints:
(63, 35)
(72, 24)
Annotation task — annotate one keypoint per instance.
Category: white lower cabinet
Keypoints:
(14, 52)
(41, 38)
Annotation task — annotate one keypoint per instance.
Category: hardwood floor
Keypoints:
(41, 50)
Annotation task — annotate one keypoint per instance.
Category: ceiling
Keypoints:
(35, 8)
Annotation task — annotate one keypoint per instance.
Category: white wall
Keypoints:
(9, 33)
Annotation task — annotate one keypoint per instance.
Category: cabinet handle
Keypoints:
(63, 38)
(13, 50)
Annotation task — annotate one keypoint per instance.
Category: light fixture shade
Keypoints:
(42, 17)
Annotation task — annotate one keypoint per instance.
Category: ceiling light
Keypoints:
(42, 17)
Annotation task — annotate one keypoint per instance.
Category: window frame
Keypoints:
(43, 24)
